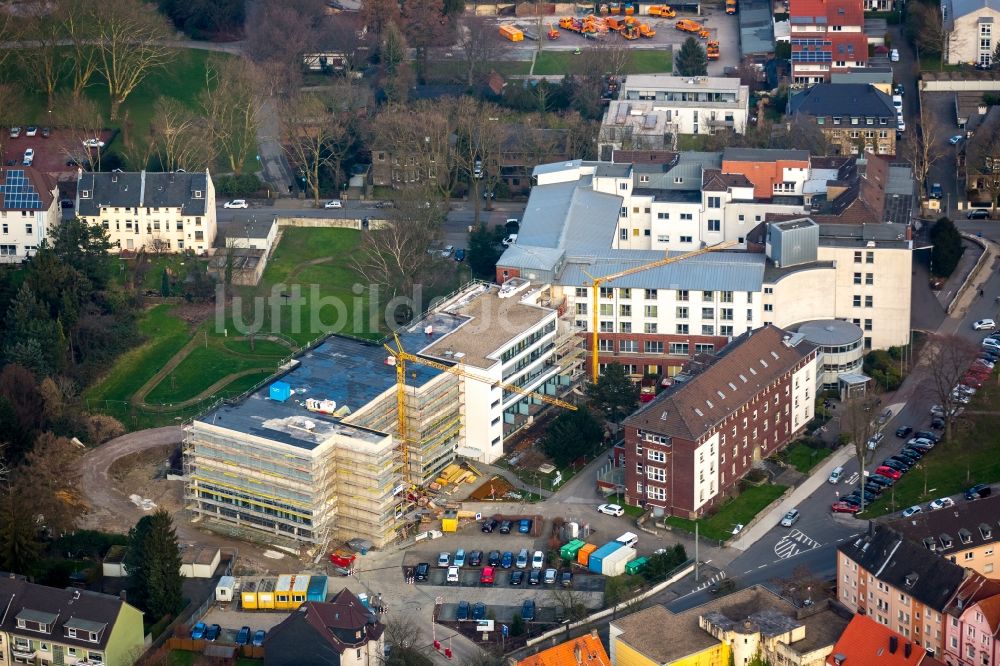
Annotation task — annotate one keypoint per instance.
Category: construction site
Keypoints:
(351, 438)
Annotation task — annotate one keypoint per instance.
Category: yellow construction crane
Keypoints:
(403, 357)
(595, 289)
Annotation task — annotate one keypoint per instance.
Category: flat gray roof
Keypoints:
(831, 332)
(715, 271)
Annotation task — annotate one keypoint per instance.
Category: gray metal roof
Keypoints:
(717, 271)
(866, 75)
(843, 99)
(555, 167)
(764, 154)
(964, 7)
(142, 189)
(612, 170)
(756, 28)
(831, 332)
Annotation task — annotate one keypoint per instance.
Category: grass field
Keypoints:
(804, 458)
(739, 510)
(454, 71)
(206, 365)
(183, 79)
(952, 466)
(548, 63)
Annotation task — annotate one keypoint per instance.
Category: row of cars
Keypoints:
(477, 611)
(201, 631)
(887, 473)
(491, 525)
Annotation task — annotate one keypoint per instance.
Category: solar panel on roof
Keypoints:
(18, 192)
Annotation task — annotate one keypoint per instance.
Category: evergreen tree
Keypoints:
(19, 546)
(947, 249)
(484, 252)
(614, 394)
(691, 59)
(137, 561)
(571, 435)
(164, 567)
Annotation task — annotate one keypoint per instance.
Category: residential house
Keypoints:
(865, 641)
(587, 650)
(653, 108)
(151, 211)
(28, 212)
(341, 631)
(972, 633)
(827, 36)
(968, 533)
(686, 451)
(523, 149)
(969, 26)
(879, 76)
(982, 161)
(854, 118)
(732, 629)
(899, 584)
(48, 625)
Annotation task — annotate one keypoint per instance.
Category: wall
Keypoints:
(960, 85)
(963, 42)
(127, 638)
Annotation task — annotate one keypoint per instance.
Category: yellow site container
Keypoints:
(248, 595)
(449, 522)
(300, 590)
(283, 592)
(265, 594)
(511, 33)
(583, 555)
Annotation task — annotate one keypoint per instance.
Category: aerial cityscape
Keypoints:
(380, 333)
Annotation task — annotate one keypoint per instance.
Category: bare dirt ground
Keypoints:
(144, 474)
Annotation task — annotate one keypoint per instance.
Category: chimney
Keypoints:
(893, 644)
(907, 650)
(123, 595)
(839, 659)
(593, 633)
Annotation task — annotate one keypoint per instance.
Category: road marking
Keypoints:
(747, 571)
(853, 479)
(762, 566)
(794, 543)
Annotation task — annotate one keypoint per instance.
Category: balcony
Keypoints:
(22, 652)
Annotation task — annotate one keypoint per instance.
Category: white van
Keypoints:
(628, 539)
(836, 474)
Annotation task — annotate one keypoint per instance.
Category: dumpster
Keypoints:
(317, 588)
(583, 555)
(635, 566)
(596, 563)
(569, 551)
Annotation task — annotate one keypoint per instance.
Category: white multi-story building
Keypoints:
(969, 25)
(653, 108)
(29, 210)
(158, 212)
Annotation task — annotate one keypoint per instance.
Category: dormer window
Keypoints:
(197, 194)
(930, 543)
(911, 579)
(84, 194)
(965, 535)
(986, 531)
(945, 541)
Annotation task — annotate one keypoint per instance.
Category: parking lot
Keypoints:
(58, 153)
(231, 620)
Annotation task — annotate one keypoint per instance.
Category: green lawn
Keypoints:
(165, 335)
(952, 466)
(182, 79)
(739, 510)
(548, 63)
(804, 458)
(692, 141)
(200, 369)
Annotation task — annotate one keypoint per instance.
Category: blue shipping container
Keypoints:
(597, 557)
(280, 391)
(317, 589)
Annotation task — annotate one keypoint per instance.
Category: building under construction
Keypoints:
(317, 454)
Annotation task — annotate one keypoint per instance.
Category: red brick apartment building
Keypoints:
(827, 36)
(686, 450)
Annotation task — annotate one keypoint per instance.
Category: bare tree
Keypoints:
(183, 139)
(130, 44)
(279, 32)
(346, 36)
(802, 133)
(859, 421)
(315, 132)
(42, 57)
(922, 149)
(481, 129)
(232, 106)
(418, 139)
(86, 120)
(78, 24)
(378, 14)
(401, 632)
(926, 29)
(948, 358)
(11, 103)
(426, 26)
(479, 41)
(572, 602)
(615, 54)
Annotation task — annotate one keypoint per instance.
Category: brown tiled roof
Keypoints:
(713, 180)
(742, 370)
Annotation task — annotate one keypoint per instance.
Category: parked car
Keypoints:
(243, 637)
(516, 577)
(258, 637)
(535, 577)
(444, 560)
(874, 441)
(505, 527)
(882, 481)
(507, 561)
(873, 488)
(550, 576)
(889, 472)
(489, 525)
(528, 610)
(460, 254)
(538, 560)
(978, 491)
(835, 475)
(29, 157)
(334, 203)
(213, 633)
(790, 518)
(479, 611)
(611, 510)
(566, 578)
(198, 630)
(15, 132)
(912, 511)
(937, 423)
(31, 131)
(452, 576)
(46, 132)
(903, 431)
(524, 526)
(896, 465)
(486, 578)
(459, 560)
(955, 139)
(462, 612)
(905, 462)
(422, 570)
(236, 203)
(894, 55)
(941, 503)
(978, 214)
(984, 325)
(936, 192)
(927, 434)
(509, 240)
(522, 559)
(93, 143)
(476, 558)
(494, 558)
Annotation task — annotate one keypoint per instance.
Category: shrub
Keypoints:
(239, 185)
